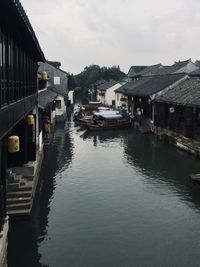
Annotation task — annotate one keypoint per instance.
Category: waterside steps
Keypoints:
(195, 177)
(188, 145)
(21, 187)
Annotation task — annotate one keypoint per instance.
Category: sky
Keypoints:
(79, 33)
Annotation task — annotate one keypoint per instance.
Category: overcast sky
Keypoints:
(116, 32)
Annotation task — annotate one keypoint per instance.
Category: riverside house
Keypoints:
(106, 92)
(19, 56)
(139, 93)
(177, 114)
(58, 84)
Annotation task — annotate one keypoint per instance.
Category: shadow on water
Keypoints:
(32, 231)
(160, 163)
(157, 163)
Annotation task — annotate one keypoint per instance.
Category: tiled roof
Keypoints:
(195, 73)
(177, 66)
(106, 85)
(157, 69)
(46, 97)
(135, 69)
(58, 90)
(147, 86)
(197, 63)
(186, 93)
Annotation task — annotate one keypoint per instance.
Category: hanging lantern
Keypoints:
(13, 144)
(44, 75)
(30, 120)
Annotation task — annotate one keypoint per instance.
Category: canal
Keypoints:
(110, 199)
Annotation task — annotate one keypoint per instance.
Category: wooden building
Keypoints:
(178, 110)
(19, 56)
(140, 92)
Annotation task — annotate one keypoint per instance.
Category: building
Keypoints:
(186, 66)
(19, 56)
(58, 84)
(138, 95)
(106, 92)
(177, 114)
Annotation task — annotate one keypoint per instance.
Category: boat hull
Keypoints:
(94, 127)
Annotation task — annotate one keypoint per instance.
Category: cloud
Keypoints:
(112, 32)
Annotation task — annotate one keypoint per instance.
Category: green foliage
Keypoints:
(93, 73)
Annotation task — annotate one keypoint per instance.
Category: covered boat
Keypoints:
(103, 121)
(88, 119)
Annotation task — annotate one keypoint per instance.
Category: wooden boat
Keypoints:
(92, 105)
(85, 120)
(101, 111)
(107, 122)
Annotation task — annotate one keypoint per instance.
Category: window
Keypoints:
(56, 80)
(58, 104)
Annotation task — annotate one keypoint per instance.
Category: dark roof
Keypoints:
(59, 90)
(177, 66)
(195, 73)
(45, 98)
(55, 64)
(197, 63)
(157, 69)
(134, 70)
(147, 86)
(106, 85)
(13, 14)
(186, 93)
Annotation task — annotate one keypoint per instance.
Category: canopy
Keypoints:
(111, 116)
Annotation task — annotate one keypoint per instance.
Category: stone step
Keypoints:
(22, 212)
(19, 194)
(13, 187)
(28, 178)
(26, 170)
(19, 200)
(20, 189)
(15, 207)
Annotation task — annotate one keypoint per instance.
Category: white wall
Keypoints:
(117, 100)
(110, 94)
(71, 96)
(60, 111)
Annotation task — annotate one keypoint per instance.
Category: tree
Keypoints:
(93, 73)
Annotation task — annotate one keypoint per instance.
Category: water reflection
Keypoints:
(110, 199)
(157, 163)
(103, 137)
(32, 231)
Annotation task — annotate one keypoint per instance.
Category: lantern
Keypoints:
(30, 120)
(13, 144)
(44, 75)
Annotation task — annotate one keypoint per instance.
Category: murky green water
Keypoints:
(111, 199)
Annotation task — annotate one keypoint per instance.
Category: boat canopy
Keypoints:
(110, 116)
(103, 108)
(106, 112)
(94, 102)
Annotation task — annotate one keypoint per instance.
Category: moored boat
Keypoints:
(101, 111)
(107, 122)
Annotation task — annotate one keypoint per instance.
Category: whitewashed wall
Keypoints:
(110, 94)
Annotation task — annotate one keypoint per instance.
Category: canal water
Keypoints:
(110, 199)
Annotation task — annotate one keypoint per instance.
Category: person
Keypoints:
(46, 128)
(151, 126)
(94, 120)
(131, 118)
(137, 121)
